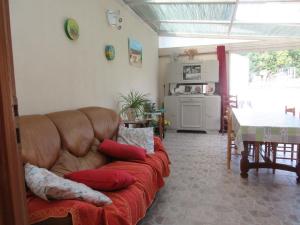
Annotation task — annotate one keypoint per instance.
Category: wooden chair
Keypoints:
(230, 137)
(230, 101)
(287, 147)
(290, 110)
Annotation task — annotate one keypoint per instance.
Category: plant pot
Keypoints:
(131, 114)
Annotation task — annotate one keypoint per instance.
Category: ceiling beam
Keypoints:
(233, 17)
(224, 36)
(224, 22)
(143, 2)
(195, 21)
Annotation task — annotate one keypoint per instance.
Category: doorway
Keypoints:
(12, 194)
(266, 80)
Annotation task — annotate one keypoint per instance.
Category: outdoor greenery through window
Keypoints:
(266, 80)
(272, 63)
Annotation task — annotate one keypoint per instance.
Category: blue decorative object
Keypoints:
(110, 52)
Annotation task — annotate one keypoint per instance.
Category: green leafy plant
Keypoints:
(149, 107)
(135, 101)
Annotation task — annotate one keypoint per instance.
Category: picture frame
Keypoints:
(135, 51)
(191, 71)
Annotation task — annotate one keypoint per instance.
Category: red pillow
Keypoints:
(103, 179)
(122, 151)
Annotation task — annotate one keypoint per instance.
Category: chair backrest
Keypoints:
(290, 110)
(231, 101)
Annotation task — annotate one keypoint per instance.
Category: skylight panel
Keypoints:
(204, 29)
(268, 12)
(131, 2)
(158, 12)
(174, 42)
(265, 30)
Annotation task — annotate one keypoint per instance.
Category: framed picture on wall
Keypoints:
(191, 72)
(135, 50)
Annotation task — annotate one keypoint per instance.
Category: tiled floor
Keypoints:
(201, 191)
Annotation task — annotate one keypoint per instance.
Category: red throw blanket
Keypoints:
(129, 205)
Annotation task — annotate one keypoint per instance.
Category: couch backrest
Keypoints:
(75, 130)
(67, 141)
(105, 122)
(40, 140)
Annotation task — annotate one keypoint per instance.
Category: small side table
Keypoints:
(147, 122)
(159, 116)
(137, 123)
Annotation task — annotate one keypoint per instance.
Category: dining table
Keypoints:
(261, 131)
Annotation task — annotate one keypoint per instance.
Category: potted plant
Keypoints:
(133, 104)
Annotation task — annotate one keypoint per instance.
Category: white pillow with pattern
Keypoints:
(49, 186)
(142, 137)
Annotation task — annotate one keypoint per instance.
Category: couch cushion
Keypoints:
(49, 186)
(40, 140)
(122, 151)
(105, 122)
(103, 179)
(142, 137)
(75, 130)
(68, 163)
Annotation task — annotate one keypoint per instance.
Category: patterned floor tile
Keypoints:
(201, 191)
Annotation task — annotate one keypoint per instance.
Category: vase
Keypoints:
(131, 114)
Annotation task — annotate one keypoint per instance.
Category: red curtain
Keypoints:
(223, 78)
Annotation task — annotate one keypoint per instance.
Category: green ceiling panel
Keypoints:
(185, 11)
(247, 18)
(209, 29)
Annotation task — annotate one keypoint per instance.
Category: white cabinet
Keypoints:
(212, 113)
(191, 114)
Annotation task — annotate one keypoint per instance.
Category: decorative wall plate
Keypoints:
(72, 29)
(110, 52)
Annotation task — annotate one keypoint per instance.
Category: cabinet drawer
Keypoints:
(198, 99)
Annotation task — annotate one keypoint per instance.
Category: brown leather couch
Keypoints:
(67, 141)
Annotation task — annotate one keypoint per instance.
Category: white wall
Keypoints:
(53, 73)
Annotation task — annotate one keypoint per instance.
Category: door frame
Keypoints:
(12, 194)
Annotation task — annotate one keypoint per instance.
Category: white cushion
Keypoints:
(142, 137)
(49, 186)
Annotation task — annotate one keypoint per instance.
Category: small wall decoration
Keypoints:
(135, 50)
(110, 52)
(72, 29)
(114, 18)
(191, 53)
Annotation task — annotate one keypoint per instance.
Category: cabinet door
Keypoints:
(213, 113)
(191, 115)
